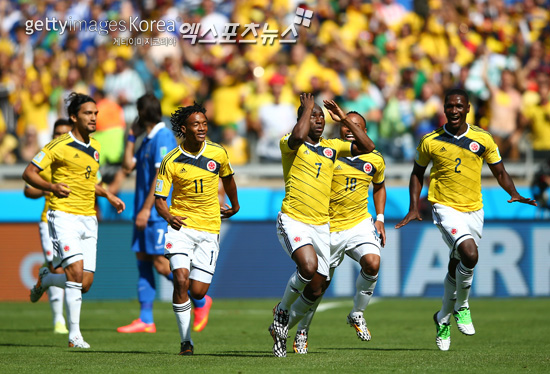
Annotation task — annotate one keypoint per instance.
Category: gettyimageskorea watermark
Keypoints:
(189, 31)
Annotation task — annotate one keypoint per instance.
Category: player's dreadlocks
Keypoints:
(181, 114)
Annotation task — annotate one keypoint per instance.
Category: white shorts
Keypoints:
(295, 234)
(196, 251)
(360, 240)
(47, 246)
(457, 226)
(74, 238)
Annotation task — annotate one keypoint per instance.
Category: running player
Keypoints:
(72, 222)
(191, 244)
(457, 151)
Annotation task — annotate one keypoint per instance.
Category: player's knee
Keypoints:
(468, 253)
(181, 284)
(86, 287)
(370, 264)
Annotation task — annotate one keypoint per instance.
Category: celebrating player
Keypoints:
(302, 225)
(72, 222)
(457, 151)
(191, 244)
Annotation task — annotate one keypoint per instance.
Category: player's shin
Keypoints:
(293, 290)
(464, 278)
(73, 298)
(364, 285)
(448, 301)
(183, 319)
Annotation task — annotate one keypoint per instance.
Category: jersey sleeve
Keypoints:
(343, 148)
(225, 166)
(423, 156)
(164, 179)
(380, 175)
(492, 154)
(44, 158)
(285, 148)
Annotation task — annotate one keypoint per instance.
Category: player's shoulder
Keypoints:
(60, 141)
(95, 144)
(215, 147)
(431, 136)
(480, 133)
(332, 142)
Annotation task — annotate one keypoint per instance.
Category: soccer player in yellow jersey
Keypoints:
(191, 245)
(72, 222)
(302, 225)
(352, 232)
(457, 151)
(55, 294)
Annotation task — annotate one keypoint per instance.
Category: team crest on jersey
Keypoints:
(474, 147)
(454, 231)
(297, 239)
(211, 166)
(39, 157)
(168, 245)
(367, 167)
(66, 248)
(96, 155)
(158, 186)
(328, 152)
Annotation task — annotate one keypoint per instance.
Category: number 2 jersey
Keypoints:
(308, 173)
(76, 164)
(455, 177)
(350, 188)
(195, 178)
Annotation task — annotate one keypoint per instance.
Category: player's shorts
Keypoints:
(74, 238)
(457, 227)
(197, 252)
(360, 240)
(150, 240)
(293, 235)
(47, 246)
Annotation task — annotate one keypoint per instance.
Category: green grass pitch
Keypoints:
(512, 336)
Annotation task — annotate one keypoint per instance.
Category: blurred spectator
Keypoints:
(29, 146)
(541, 185)
(538, 120)
(175, 88)
(427, 112)
(395, 140)
(8, 144)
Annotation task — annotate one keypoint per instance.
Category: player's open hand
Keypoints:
(227, 211)
(142, 218)
(381, 231)
(523, 200)
(176, 222)
(61, 190)
(117, 203)
(411, 216)
(336, 113)
(307, 101)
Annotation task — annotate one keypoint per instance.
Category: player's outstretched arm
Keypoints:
(415, 187)
(379, 198)
(231, 190)
(301, 129)
(114, 200)
(31, 176)
(506, 182)
(162, 207)
(34, 193)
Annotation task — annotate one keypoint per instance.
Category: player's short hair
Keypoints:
(359, 114)
(149, 105)
(459, 92)
(179, 117)
(75, 101)
(62, 122)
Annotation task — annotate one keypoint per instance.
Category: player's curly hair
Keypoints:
(179, 117)
(75, 101)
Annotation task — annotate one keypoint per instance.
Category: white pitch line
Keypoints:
(337, 304)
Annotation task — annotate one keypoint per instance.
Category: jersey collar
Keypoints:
(315, 145)
(156, 129)
(454, 136)
(78, 141)
(192, 155)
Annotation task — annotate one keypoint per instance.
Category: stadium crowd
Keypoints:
(388, 63)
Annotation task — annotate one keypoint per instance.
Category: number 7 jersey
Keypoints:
(457, 161)
(195, 178)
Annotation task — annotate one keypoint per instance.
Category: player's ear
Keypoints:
(73, 119)
(183, 129)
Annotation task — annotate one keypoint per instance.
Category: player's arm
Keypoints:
(379, 198)
(34, 193)
(31, 176)
(415, 187)
(231, 190)
(143, 215)
(362, 143)
(162, 207)
(128, 161)
(300, 131)
(506, 182)
(114, 200)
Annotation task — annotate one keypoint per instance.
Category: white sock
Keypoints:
(306, 321)
(298, 310)
(73, 298)
(55, 294)
(464, 277)
(183, 318)
(449, 298)
(55, 280)
(294, 288)
(364, 288)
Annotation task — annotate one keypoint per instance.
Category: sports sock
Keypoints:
(197, 303)
(73, 298)
(170, 276)
(55, 295)
(364, 288)
(449, 298)
(183, 318)
(464, 277)
(299, 309)
(54, 279)
(294, 288)
(305, 322)
(146, 290)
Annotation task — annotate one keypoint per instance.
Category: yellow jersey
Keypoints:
(46, 174)
(350, 188)
(76, 164)
(195, 178)
(457, 161)
(308, 174)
